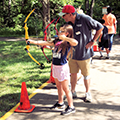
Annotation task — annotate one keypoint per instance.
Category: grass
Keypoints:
(15, 67)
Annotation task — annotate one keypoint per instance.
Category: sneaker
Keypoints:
(107, 58)
(68, 111)
(58, 106)
(101, 57)
(88, 97)
(74, 95)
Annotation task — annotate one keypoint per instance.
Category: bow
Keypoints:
(45, 39)
(28, 44)
(55, 26)
(45, 36)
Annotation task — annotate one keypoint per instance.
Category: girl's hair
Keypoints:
(64, 45)
(68, 28)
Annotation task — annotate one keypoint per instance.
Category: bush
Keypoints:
(7, 31)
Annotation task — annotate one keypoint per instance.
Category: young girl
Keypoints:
(60, 66)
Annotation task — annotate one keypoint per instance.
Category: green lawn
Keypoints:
(15, 67)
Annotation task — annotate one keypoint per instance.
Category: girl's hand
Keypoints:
(62, 37)
(27, 41)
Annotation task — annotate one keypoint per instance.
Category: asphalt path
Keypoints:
(105, 90)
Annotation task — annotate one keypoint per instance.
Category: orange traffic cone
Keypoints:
(24, 106)
(51, 79)
(95, 48)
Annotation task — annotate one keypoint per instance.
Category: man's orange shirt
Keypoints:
(110, 23)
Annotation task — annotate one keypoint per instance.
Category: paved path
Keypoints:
(105, 89)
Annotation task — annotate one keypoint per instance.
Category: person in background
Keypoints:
(103, 40)
(110, 23)
(82, 25)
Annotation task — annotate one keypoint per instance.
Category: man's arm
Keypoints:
(97, 34)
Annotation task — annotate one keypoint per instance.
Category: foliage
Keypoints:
(7, 31)
(14, 12)
(65, 2)
(114, 4)
(16, 66)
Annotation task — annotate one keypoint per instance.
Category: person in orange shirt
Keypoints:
(110, 23)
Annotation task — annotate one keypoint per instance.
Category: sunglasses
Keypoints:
(65, 14)
(61, 31)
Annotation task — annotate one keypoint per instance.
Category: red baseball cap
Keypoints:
(67, 9)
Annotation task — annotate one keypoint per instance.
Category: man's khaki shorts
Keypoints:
(83, 65)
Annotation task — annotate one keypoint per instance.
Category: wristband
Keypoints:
(92, 40)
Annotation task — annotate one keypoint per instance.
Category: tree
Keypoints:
(114, 4)
(46, 14)
(89, 7)
(13, 12)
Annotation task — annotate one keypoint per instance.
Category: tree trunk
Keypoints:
(48, 8)
(9, 7)
(4, 16)
(87, 7)
(46, 16)
(91, 7)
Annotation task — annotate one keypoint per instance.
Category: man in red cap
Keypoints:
(83, 26)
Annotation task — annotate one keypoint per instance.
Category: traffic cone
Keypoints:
(95, 48)
(24, 106)
(51, 79)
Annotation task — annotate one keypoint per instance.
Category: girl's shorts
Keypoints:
(61, 72)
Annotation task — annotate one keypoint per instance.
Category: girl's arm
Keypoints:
(72, 41)
(42, 43)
